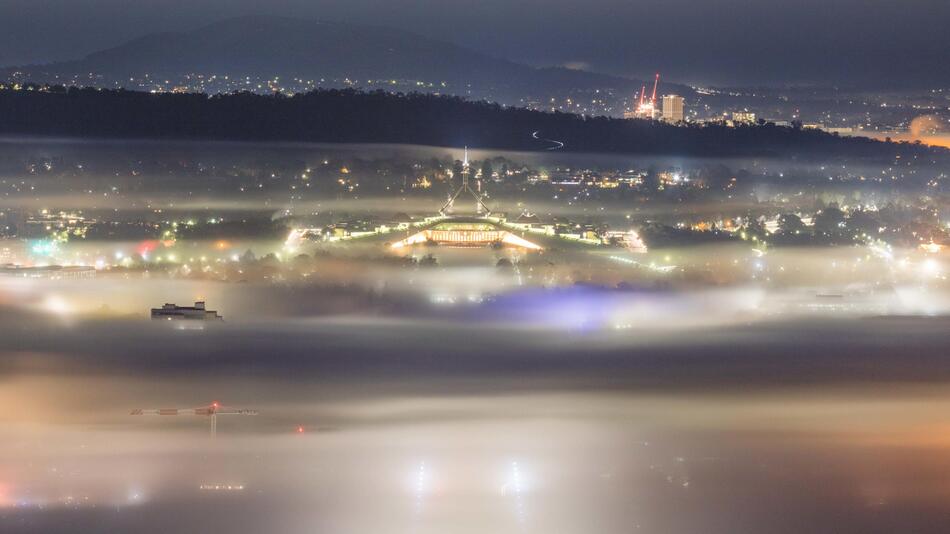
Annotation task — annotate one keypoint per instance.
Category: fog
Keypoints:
(713, 388)
(721, 430)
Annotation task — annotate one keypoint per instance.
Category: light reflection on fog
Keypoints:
(795, 390)
(562, 462)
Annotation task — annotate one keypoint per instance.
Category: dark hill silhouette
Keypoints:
(268, 47)
(339, 116)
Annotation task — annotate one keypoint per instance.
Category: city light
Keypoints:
(426, 268)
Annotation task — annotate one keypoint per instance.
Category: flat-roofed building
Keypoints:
(198, 312)
(466, 232)
(743, 117)
(49, 272)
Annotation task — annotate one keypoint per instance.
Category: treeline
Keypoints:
(894, 224)
(663, 236)
(897, 225)
(349, 116)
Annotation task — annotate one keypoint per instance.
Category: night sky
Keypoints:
(863, 43)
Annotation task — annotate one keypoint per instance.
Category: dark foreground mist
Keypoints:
(418, 425)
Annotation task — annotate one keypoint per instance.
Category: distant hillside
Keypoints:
(266, 47)
(348, 116)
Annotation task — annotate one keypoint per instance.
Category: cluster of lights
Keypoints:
(221, 487)
(651, 266)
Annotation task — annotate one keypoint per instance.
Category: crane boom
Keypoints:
(192, 411)
(212, 411)
(656, 81)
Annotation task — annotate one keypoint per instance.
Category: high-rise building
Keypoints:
(673, 108)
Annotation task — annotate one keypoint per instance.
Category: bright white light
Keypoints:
(442, 299)
(135, 496)
(56, 304)
(930, 267)
(515, 488)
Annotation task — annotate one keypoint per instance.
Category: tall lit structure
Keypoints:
(455, 230)
(673, 108)
(480, 206)
(646, 108)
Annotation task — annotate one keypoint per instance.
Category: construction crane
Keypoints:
(646, 109)
(656, 82)
(211, 411)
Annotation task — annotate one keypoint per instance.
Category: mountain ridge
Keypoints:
(287, 48)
